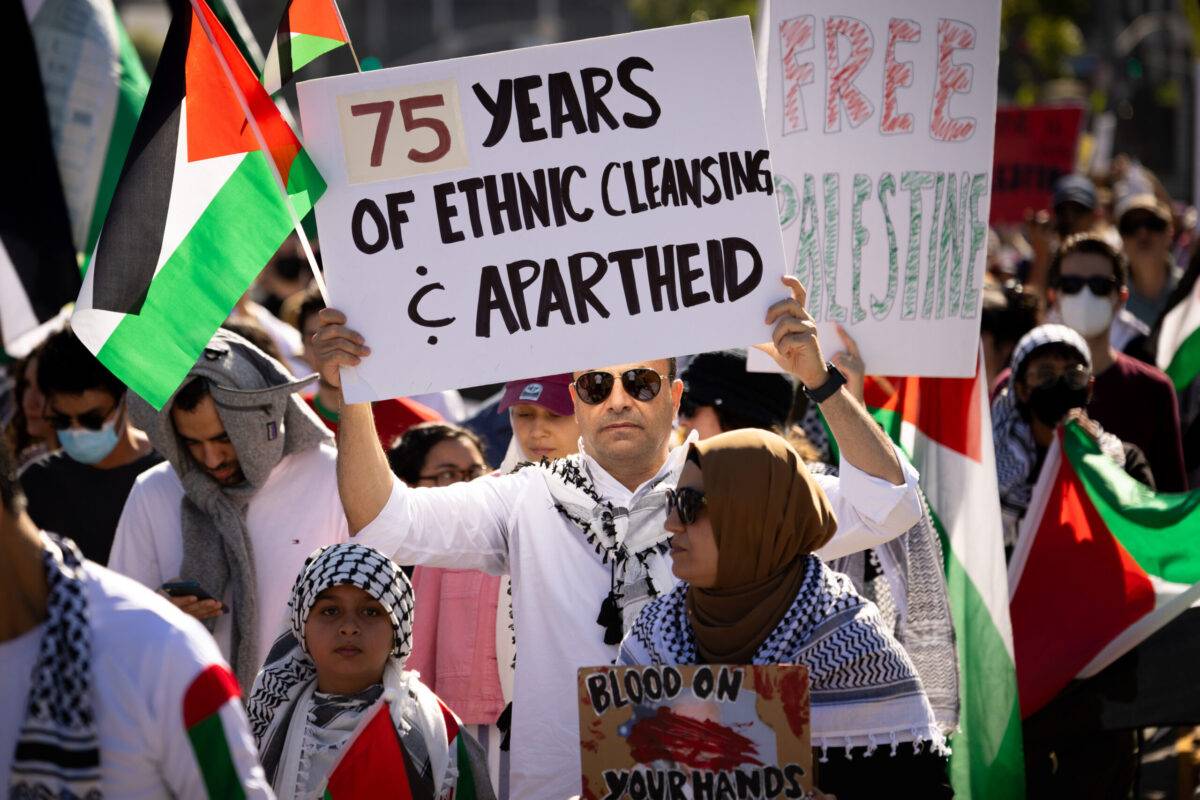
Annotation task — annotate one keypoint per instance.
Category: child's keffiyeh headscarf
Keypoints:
(286, 685)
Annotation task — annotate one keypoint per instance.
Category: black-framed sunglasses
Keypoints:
(1100, 285)
(1129, 225)
(687, 501)
(91, 420)
(642, 384)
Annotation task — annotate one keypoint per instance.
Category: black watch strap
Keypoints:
(833, 382)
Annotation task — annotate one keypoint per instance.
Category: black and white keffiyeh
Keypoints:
(58, 751)
(630, 541)
(284, 698)
(864, 688)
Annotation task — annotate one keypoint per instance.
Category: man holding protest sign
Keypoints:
(583, 537)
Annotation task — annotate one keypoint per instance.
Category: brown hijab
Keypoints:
(767, 513)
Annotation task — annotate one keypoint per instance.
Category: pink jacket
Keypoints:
(454, 640)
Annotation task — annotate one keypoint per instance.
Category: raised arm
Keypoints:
(795, 347)
(364, 480)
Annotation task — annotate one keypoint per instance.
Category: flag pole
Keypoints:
(262, 144)
(346, 33)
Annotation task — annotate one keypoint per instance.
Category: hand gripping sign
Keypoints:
(547, 209)
(881, 122)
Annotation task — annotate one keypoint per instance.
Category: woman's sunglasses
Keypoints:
(688, 502)
(1131, 224)
(1100, 285)
(641, 384)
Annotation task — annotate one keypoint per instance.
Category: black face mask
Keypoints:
(1050, 402)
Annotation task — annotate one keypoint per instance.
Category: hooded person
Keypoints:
(1050, 376)
(746, 517)
(312, 709)
(247, 491)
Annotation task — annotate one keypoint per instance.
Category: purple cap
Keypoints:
(551, 392)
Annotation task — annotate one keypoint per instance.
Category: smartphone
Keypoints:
(187, 589)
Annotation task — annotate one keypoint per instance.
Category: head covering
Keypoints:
(551, 392)
(767, 513)
(1075, 189)
(256, 399)
(1012, 437)
(1142, 201)
(720, 379)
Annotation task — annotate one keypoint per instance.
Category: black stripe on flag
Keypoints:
(283, 43)
(34, 225)
(131, 240)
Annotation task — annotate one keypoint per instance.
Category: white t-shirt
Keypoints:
(509, 525)
(296, 511)
(145, 656)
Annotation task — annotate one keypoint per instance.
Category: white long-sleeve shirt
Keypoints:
(509, 525)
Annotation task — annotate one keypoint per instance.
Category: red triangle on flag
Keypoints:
(316, 18)
(945, 410)
(373, 766)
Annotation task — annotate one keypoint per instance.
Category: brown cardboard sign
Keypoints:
(700, 732)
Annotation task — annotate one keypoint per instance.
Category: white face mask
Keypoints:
(1088, 314)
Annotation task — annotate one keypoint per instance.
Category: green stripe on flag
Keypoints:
(304, 184)
(133, 83)
(306, 47)
(214, 758)
(1185, 364)
(193, 293)
(465, 790)
(1159, 530)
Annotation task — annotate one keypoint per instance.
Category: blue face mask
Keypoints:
(87, 446)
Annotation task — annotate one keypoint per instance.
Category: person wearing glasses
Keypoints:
(746, 521)
(1133, 400)
(1144, 223)
(79, 491)
(582, 537)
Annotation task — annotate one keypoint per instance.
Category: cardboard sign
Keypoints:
(880, 121)
(548, 209)
(693, 732)
(1034, 148)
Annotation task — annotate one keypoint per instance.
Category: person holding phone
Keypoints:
(248, 491)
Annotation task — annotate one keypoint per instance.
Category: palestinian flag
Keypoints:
(1179, 340)
(944, 427)
(309, 29)
(1101, 563)
(464, 789)
(95, 86)
(374, 763)
(39, 270)
(211, 711)
(199, 209)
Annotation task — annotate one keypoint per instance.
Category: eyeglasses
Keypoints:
(92, 420)
(452, 475)
(687, 501)
(1100, 285)
(1131, 224)
(1076, 375)
(642, 384)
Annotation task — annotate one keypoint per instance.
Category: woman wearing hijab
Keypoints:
(745, 520)
(335, 673)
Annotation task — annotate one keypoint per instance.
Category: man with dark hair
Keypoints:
(393, 416)
(582, 537)
(79, 491)
(105, 684)
(1133, 400)
(248, 491)
(1009, 313)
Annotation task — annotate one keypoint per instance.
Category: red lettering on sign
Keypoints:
(952, 79)
(897, 75)
(840, 76)
(795, 37)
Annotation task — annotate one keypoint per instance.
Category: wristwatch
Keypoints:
(834, 381)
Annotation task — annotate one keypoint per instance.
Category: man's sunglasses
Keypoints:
(1130, 225)
(1100, 285)
(688, 502)
(91, 420)
(641, 384)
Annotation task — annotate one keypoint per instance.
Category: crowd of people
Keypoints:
(228, 594)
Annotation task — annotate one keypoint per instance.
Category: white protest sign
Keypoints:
(548, 209)
(881, 122)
